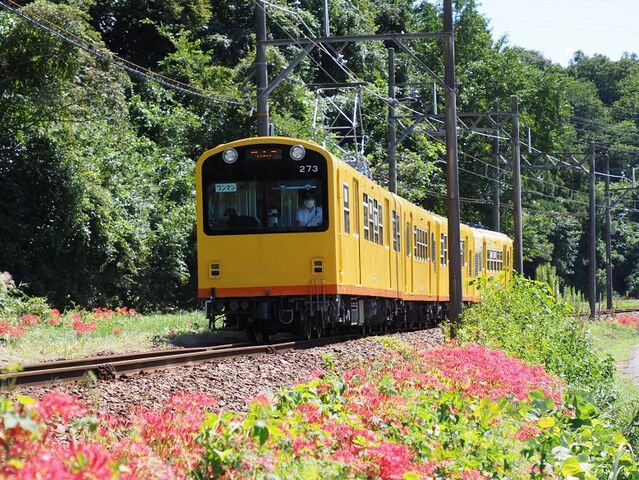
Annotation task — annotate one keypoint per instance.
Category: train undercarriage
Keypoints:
(315, 316)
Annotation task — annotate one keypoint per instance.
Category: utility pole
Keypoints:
(327, 25)
(608, 236)
(592, 285)
(454, 235)
(496, 174)
(392, 123)
(517, 216)
(261, 70)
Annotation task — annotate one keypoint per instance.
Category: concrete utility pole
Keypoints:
(608, 235)
(454, 235)
(496, 174)
(517, 216)
(326, 26)
(261, 70)
(392, 124)
(592, 284)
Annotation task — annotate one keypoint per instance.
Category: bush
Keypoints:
(15, 303)
(527, 320)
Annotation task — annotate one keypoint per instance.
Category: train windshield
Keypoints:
(265, 195)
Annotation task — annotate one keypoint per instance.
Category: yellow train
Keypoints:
(290, 238)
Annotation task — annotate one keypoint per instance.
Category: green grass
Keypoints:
(619, 341)
(626, 304)
(46, 343)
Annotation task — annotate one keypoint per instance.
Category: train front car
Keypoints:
(266, 235)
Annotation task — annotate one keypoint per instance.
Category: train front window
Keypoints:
(265, 195)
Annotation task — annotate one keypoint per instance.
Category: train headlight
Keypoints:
(230, 155)
(298, 152)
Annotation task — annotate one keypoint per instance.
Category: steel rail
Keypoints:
(78, 362)
(110, 367)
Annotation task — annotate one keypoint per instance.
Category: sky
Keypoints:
(558, 28)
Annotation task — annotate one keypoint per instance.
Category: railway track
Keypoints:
(113, 366)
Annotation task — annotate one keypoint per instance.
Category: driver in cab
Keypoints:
(310, 214)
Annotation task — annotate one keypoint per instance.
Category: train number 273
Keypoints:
(308, 169)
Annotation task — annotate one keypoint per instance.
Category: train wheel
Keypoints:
(265, 337)
(318, 328)
(251, 332)
(307, 328)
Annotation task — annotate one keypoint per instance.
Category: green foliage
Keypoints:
(548, 274)
(576, 446)
(15, 303)
(327, 428)
(526, 319)
(115, 152)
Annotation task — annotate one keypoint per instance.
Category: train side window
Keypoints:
(444, 250)
(347, 210)
(396, 239)
(380, 214)
(470, 263)
(398, 227)
(365, 216)
(375, 221)
(463, 252)
(415, 242)
(371, 220)
(408, 239)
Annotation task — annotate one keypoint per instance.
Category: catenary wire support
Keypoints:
(592, 237)
(517, 214)
(261, 70)
(496, 174)
(608, 235)
(452, 170)
(392, 121)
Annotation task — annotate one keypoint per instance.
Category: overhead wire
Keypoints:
(104, 54)
(386, 100)
(99, 52)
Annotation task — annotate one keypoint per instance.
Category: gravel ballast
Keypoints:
(232, 381)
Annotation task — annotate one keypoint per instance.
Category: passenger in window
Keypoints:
(310, 214)
(273, 219)
(231, 218)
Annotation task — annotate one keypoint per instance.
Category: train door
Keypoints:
(435, 287)
(357, 229)
(397, 247)
(387, 242)
(411, 228)
(464, 255)
(484, 260)
(342, 244)
(407, 254)
(430, 274)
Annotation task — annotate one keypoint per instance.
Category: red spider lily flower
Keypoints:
(629, 320)
(53, 321)
(30, 320)
(91, 461)
(117, 331)
(56, 405)
(54, 312)
(12, 331)
(527, 432)
(80, 327)
(479, 371)
(472, 474)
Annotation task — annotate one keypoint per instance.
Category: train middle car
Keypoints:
(290, 238)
